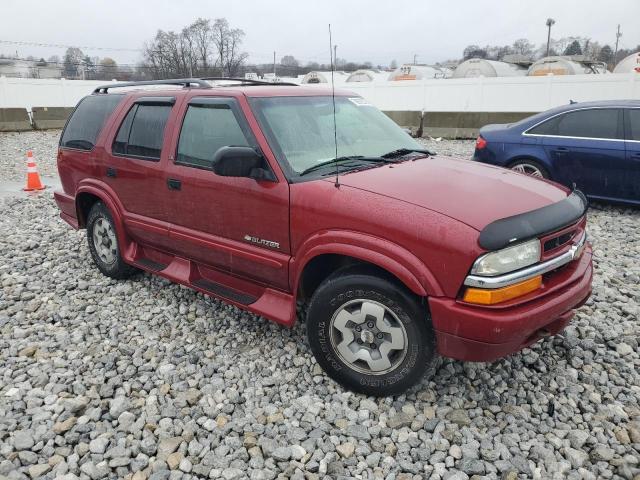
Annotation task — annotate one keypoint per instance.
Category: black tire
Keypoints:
(100, 218)
(344, 289)
(527, 162)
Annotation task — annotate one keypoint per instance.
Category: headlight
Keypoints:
(508, 259)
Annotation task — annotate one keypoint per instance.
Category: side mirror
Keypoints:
(241, 162)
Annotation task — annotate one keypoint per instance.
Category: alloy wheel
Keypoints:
(528, 169)
(104, 241)
(368, 337)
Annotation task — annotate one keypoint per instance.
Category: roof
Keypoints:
(600, 103)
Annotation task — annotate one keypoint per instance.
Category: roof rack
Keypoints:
(185, 82)
(188, 82)
(250, 81)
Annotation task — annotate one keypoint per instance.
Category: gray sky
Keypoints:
(378, 31)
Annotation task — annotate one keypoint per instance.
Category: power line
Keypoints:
(54, 45)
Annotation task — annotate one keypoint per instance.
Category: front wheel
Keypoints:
(369, 334)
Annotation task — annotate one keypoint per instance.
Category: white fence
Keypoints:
(501, 94)
(35, 92)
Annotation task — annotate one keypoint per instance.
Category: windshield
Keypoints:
(302, 127)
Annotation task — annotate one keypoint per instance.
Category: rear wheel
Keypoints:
(530, 167)
(103, 244)
(369, 334)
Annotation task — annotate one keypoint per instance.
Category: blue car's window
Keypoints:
(593, 123)
(634, 124)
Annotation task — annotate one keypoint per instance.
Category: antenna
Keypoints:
(333, 99)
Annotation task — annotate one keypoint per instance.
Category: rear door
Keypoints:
(630, 187)
(134, 167)
(221, 221)
(586, 147)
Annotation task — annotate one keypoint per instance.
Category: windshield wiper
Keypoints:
(358, 158)
(403, 151)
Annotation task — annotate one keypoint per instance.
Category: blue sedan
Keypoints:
(594, 145)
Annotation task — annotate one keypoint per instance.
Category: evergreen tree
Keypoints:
(573, 48)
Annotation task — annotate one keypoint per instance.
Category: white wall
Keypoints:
(35, 92)
(499, 94)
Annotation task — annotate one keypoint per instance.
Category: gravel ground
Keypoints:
(13, 153)
(147, 379)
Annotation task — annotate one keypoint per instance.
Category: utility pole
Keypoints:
(550, 22)
(274, 64)
(335, 55)
(415, 57)
(618, 35)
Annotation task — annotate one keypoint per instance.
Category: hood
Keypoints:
(471, 192)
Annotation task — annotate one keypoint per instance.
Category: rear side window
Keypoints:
(633, 115)
(87, 121)
(206, 129)
(595, 123)
(142, 132)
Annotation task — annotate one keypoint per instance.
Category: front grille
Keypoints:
(558, 241)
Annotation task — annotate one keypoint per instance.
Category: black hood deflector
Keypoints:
(528, 225)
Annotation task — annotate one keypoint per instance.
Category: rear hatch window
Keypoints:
(87, 120)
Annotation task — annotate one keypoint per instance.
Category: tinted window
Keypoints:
(87, 121)
(207, 128)
(120, 143)
(634, 124)
(142, 131)
(596, 123)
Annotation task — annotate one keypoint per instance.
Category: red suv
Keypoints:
(274, 196)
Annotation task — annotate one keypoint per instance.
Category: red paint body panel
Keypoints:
(419, 220)
(482, 334)
(455, 188)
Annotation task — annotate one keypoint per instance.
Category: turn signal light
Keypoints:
(480, 143)
(483, 296)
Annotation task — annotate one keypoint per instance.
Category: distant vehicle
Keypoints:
(233, 190)
(594, 145)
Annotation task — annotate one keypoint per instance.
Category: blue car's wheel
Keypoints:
(529, 167)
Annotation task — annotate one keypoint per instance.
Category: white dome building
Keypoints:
(479, 67)
(367, 76)
(629, 64)
(558, 65)
(324, 77)
(417, 72)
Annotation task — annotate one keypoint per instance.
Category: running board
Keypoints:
(225, 292)
(149, 264)
(276, 305)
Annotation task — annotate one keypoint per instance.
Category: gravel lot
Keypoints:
(144, 378)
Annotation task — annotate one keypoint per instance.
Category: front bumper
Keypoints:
(483, 334)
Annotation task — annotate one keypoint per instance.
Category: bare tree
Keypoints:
(201, 33)
(523, 47)
(227, 41)
(204, 48)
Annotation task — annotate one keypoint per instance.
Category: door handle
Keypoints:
(111, 172)
(635, 156)
(562, 149)
(174, 184)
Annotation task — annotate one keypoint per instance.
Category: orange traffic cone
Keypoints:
(33, 178)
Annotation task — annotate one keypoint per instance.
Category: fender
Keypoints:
(110, 199)
(385, 254)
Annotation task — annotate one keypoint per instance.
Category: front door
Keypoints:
(237, 225)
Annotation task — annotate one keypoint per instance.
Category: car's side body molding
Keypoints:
(506, 231)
